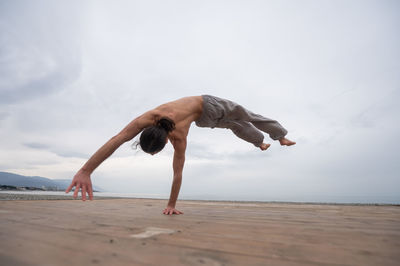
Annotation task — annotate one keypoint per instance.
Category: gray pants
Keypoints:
(221, 113)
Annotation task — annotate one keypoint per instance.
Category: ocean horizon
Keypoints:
(290, 199)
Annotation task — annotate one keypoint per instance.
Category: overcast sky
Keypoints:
(74, 73)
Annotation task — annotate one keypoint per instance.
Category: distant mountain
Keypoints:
(10, 179)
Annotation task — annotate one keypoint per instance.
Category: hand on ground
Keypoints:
(170, 210)
(81, 181)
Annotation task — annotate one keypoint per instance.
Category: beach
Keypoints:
(61, 231)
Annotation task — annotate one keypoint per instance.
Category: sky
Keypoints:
(74, 73)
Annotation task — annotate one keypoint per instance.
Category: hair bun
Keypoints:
(166, 124)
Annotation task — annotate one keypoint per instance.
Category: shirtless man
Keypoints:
(171, 121)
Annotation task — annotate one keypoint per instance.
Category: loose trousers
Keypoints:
(222, 113)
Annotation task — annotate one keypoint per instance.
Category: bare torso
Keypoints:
(182, 111)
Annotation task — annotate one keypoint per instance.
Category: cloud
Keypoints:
(39, 54)
(4, 115)
(74, 74)
(34, 145)
(60, 151)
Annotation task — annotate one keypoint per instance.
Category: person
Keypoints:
(171, 121)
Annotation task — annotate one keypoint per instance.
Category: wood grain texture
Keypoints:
(99, 232)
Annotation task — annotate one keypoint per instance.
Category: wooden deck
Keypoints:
(135, 232)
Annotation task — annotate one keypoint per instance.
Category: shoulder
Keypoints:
(147, 119)
(178, 140)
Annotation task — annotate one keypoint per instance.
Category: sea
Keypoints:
(324, 199)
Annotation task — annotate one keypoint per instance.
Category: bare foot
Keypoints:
(286, 142)
(264, 146)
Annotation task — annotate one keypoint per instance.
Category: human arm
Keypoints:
(178, 163)
(82, 178)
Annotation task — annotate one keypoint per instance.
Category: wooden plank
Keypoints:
(65, 232)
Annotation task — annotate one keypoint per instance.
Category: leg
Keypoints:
(269, 126)
(232, 113)
(249, 133)
(272, 127)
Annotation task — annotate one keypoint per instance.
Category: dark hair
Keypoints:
(153, 139)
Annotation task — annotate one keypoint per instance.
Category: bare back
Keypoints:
(182, 111)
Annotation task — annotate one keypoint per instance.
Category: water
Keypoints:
(98, 194)
(291, 198)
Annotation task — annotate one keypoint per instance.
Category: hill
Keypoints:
(10, 179)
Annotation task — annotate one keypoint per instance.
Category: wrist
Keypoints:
(84, 170)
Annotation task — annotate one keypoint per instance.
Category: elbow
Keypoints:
(178, 178)
(119, 139)
(122, 137)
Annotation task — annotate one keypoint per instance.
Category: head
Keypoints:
(154, 138)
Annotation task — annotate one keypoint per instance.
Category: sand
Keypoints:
(135, 232)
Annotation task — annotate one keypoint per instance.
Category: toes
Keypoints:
(264, 146)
